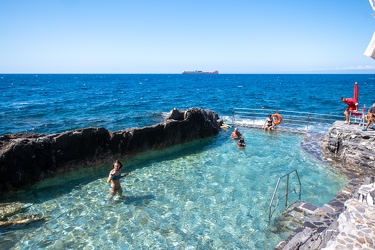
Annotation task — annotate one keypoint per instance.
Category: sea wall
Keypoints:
(27, 158)
(345, 220)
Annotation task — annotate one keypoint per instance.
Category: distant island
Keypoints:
(197, 72)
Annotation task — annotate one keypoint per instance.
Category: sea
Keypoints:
(52, 103)
(205, 194)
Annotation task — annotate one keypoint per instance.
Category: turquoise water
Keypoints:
(208, 194)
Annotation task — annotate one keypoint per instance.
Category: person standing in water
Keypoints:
(114, 177)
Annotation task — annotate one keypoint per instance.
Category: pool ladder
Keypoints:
(286, 195)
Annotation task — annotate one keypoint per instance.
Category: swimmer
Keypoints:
(241, 143)
(114, 177)
(236, 134)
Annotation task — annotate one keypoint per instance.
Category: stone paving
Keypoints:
(348, 220)
(356, 227)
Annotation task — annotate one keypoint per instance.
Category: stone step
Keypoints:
(295, 215)
(302, 206)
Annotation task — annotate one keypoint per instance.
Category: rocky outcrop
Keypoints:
(351, 145)
(27, 158)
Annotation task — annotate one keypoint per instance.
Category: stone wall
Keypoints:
(27, 158)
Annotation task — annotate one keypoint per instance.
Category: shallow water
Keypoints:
(208, 194)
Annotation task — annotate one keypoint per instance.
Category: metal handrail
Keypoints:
(286, 192)
(289, 117)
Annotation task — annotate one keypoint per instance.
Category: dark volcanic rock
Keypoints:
(27, 158)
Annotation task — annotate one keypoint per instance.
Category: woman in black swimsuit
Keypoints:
(268, 124)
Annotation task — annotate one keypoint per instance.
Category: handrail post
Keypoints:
(308, 120)
(287, 190)
(300, 186)
(271, 211)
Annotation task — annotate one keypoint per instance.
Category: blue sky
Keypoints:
(165, 36)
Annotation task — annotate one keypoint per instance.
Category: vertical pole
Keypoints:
(287, 188)
(254, 121)
(300, 186)
(308, 121)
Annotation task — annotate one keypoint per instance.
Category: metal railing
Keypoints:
(301, 121)
(286, 195)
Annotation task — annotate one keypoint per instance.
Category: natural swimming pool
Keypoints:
(207, 194)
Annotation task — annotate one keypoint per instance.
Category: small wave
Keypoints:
(249, 122)
(165, 115)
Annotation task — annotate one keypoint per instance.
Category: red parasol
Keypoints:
(355, 92)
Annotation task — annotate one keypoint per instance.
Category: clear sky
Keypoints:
(169, 36)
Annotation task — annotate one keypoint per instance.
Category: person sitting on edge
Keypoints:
(114, 177)
(236, 134)
(352, 106)
(268, 123)
(371, 116)
(241, 143)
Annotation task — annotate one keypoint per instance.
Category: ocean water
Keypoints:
(56, 103)
(207, 194)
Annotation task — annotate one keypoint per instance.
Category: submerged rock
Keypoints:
(7, 210)
(10, 208)
(21, 221)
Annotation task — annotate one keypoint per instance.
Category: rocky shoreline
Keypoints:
(28, 158)
(347, 221)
